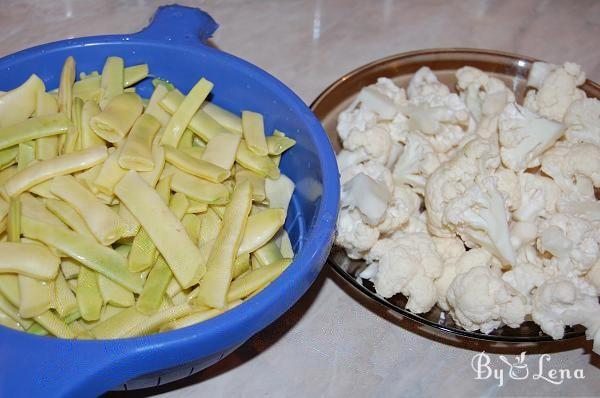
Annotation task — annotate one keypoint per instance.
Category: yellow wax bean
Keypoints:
(285, 245)
(117, 117)
(47, 169)
(63, 299)
(69, 268)
(114, 294)
(153, 108)
(165, 229)
(255, 279)
(279, 143)
(65, 88)
(85, 250)
(34, 296)
(110, 173)
(225, 118)
(26, 155)
(8, 156)
(199, 189)
(89, 300)
(43, 190)
(69, 216)
(35, 261)
(11, 309)
(13, 222)
(35, 208)
(241, 265)
(260, 228)
(215, 283)
(197, 207)
(182, 116)
(192, 224)
(158, 159)
(128, 224)
(88, 137)
(254, 132)
(54, 325)
(155, 287)
(258, 182)
(137, 149)
(18, 104)
(268, 253)
(101, 220)
(197, 167)
(221, 150)
(9, 288)
(31, 129)
(187, 139)
(113, 326)
(111, 82)
(262, 165)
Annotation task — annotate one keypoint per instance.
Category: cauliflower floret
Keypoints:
(480, 300)
(538, 73)
(367, 195)
(593, 276)
(424, 85)
(480, 217)
(574, 167)
(404, 204)
(449, 248)
(355, 118)
(453, 178)
(524, 278)
(557, 92)
(522, 233)
(539, 197)
(354, 234)
(456, 265)
(583, 121)
(346, 158)
(485, 96)
(417, 161)
(375, 143)
(508, 183)
(573, 242)
(586, 209)
(386, 88)
(408, 264)
(524, 136)
(375, 170)
(561, 302)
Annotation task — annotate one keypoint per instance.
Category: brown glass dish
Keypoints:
(513, 70)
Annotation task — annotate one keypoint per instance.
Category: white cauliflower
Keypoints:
(453, 178)
(480, 217)
(538, 73)
(586, 209)
(522, 233)
(353, 234)
(456, 265)
(557, 92)
(425, 86)
(416, 162)
(402, 206)
(407, 264)
(573, 242)
(485, 96)
(593, 276)
(346, 158)
(539, 197)
(375, 170)
(367, 195)
(583, 121)
(574, 167)
(525, 278)
(375, 143)
(524, 136)
(480, 300)
(449, 249)
(508, 184)
(561, 302)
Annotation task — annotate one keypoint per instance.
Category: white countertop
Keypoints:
(331, 343)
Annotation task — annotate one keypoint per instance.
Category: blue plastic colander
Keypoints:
(34, 366)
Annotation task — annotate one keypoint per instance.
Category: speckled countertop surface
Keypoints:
(332, 343)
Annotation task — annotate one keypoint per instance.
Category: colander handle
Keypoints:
(179, 25)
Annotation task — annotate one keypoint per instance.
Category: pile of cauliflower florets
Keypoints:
(475, 203)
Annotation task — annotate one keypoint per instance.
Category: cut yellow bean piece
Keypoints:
(155, 287)
(45, 104)
(110, 172)
(111, 81)
(34, 296)
(12, 311)
(69, 216)
(55, 325)
(279, 192)
(65, 88)
(225, 118)
(153, 322)
(215, 283)
(258, 182)
(88, 177)
(114, 294)
(285, 245)
(6, 174)
(219, 209)
(260, 229)
(32, 260)
(88, 87)
(89, 300)
(36, 209)
(85, 250)
(184, 113)
(6, 320)
(34, 128)
(192, 224)
(77, 122)
(26, 155)
(241, 265)
(129, 226)
(63, 299)
(262, 165)
(38, 329)
(8, 157)
(166, 231)
(197, 142)
(153, 108)
(43, 190)
(18, 104)
(13, 222)
(221, 150)
(254, 132)
(247, 284)
(133, 74)
(192, 319)
(9, 287)
(179, 205)
(174, 288)
(197, 207)
(113, 326)
(198, 189)
(195, 152)
(102, 221)
(137, 149)
(158, 159)
(197, 167)
(268, 253)
(69, 268)
(279, 143)
(116, 119)
(88, 137)
(47, 169)
(46, 147)
(187, 139)
(201, 124)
